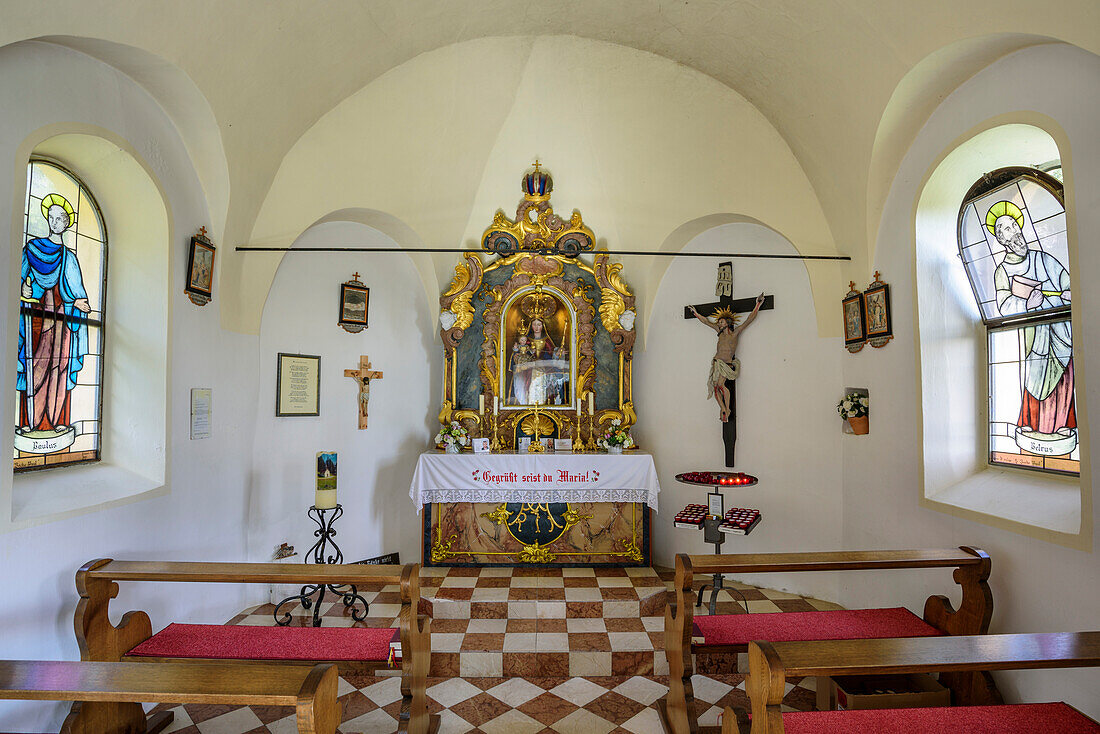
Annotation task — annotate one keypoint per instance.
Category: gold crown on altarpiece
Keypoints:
(537, 305)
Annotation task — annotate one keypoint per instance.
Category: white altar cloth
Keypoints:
(549, 477)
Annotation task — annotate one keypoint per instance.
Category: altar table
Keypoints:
(557, 509)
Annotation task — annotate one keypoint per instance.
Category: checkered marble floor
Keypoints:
(586, 705)
(526, 650)
(546, 621)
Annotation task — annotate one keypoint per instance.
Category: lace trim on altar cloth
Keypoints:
(448, 496)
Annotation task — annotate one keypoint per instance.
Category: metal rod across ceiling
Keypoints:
(638, 253)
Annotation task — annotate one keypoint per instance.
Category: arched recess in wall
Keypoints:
(138, 217)
(375, 463)
(915, 98)
(952, 340)
(787, 369)
(385, 223)
(689, 231)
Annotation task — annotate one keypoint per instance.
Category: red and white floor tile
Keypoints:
(524, 650)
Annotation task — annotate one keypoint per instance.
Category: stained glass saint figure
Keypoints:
(1028, 281)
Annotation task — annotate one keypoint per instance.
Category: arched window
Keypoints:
(61, 302)
(1012, 241)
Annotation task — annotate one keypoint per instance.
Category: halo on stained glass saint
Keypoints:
(1041, 219)
(59, 422)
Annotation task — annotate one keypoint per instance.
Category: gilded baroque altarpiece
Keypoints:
(541, 324)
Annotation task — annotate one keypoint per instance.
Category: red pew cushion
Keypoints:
(1028, 718)
(222, 642)
(840, 624)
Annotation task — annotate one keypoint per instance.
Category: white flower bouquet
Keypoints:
(452, 436)
(853, 405)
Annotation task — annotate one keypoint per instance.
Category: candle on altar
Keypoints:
(481, 403)
(325, 495)
(591, 395)
(496, 406)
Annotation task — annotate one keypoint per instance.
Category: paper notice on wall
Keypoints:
(201, 399)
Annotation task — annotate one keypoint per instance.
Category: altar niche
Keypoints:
(536, 342)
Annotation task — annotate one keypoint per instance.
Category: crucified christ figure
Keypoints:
(725, 365)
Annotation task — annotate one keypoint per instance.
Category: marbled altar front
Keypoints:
(552, 534)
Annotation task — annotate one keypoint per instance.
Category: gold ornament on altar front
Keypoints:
(631, 550)
(536, 554)
(441, 551)
(499, 516)
(572, 517)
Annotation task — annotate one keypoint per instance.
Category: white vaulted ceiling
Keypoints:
(845, 83)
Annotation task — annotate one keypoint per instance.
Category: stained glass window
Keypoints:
(1012, 241)
(61, 301)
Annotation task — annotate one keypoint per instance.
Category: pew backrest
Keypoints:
(100, 688)
(972, 567)
(771, 664)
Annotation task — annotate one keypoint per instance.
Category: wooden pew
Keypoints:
(99, 640)
(971, 572)
(108, 696)
(771, 664)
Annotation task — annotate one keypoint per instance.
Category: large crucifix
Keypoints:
(725, 366)
(362, 377)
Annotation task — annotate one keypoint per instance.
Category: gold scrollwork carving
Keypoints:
(572, 517)
(499, 516)
(611, 308)
(536, 554)
(631, 550)
(442, 551)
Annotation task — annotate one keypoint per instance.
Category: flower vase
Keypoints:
(860, 425)
(614, 449)
(452, 448)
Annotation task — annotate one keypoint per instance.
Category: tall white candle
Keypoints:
(481, 403)
(496, 406)
(590, 403)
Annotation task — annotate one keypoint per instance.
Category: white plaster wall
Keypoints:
(376, 464)
(1037, 585)
(201, 516)
(789, 435)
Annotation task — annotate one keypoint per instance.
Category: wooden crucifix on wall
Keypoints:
(725, 366)
(362, 377)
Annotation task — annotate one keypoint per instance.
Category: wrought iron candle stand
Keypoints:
(348, 593)
(711, 533)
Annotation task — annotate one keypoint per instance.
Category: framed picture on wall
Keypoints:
(354, 303)
(855, 320)
(200, 270)
(298, 385)
(876, 299)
